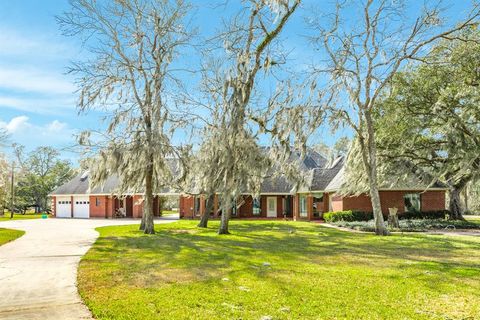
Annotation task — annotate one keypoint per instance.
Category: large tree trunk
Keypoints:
(147, 217)
(380, 228)
(142, 222)
(226, 211)
(204, 221)
(455, 205)
(369, 156)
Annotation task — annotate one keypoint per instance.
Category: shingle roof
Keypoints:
(322, 177)
(276, 185)
(80, 183)
(410, 182)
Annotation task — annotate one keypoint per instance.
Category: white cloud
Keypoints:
(55, 133)
(16, 124)
(39, 46)
(45, 82)
(56, 126)
(42, 105)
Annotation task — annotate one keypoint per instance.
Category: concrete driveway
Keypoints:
(38, 271)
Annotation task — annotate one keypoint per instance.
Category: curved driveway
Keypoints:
(38, 271)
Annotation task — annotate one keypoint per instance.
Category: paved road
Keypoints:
(38, 271)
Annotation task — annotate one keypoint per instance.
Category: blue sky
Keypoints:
(37, 99)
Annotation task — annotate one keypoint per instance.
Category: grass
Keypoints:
(169, 212)
(16, 216)
(278, 270)
(7, 235)
(475, 218)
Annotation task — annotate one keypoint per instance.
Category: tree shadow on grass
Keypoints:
(187, 249)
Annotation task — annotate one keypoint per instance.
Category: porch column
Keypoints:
(326, 202)
(202, 205)
(310, 207)
(295, 207)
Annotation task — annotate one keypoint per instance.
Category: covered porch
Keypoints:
(301, 206)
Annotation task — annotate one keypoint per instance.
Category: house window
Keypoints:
(256, 206)
(303, 206)
(97, 202)
(412, 202)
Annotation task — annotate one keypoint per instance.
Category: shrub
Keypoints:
(352, 215)
(412, 225)
(439, 214)
(348, 215)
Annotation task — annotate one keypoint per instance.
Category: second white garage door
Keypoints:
(81, 207)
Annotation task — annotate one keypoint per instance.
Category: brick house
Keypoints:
(277, 198)
(75, 200)
(320, 195)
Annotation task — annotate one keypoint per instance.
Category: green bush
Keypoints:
(352, 215)
(439, 214)
(348, 215)
(417, 225)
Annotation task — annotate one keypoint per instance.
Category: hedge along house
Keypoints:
(320, 194)
(75, 200)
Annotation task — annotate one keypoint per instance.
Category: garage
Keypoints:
(81, 207)
(64, 207)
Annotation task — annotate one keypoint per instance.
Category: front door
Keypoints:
(271, 207)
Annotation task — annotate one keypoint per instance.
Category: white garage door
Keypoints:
(63, 207)
(81, 207)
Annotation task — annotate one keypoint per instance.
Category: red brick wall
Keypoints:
(279, 207)
(295, 207)
(54, 206)
(186, 206)
(337, 202)
(326, 202)
(431, 200)
(263, 207)
(246, 210)
(99, 211)
(110, 206)
(137, 206)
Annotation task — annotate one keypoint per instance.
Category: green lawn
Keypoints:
(16, 216)
(281, 270)
(7, 235)
(169, 212)
(475, 219)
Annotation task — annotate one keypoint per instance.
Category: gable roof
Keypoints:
(79, 185)
(322, 177)
(410, 182)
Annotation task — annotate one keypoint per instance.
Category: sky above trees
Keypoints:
(37, 98)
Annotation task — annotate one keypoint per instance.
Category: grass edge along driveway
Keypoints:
(17, 216)
(278, 270)
(7, 235)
